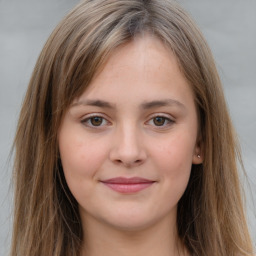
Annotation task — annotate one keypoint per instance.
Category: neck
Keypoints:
(160, 239)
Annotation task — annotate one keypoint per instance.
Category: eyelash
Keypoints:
(88, 121)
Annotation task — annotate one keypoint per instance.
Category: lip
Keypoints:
(128, 185)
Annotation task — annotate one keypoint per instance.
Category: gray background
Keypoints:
(228, 25)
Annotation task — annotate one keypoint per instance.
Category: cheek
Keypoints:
(80, 157)
(177, 149)
(81, 160)
(174, 160)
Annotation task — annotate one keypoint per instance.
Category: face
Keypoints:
(128, 142)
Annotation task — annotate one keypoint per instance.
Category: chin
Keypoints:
(131, 225)
(132, 221)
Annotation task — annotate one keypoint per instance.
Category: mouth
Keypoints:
(128, 185)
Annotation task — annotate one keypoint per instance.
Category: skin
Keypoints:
(129, 141)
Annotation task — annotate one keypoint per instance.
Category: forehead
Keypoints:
(144, 51)
(143, 69)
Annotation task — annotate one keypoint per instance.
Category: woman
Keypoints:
(124, 144)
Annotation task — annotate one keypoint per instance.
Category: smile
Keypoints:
(128, 185)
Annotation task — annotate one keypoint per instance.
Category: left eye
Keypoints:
(160, 121)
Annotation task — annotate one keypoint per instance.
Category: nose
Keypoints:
(127, 147)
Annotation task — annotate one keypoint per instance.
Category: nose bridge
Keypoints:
(128, 148)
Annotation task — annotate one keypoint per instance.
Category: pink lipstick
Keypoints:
(128, 185)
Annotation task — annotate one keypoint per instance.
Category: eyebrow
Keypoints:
(145, 105)
(96, 103)
(162, 103)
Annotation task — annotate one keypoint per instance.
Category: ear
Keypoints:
(198, 155)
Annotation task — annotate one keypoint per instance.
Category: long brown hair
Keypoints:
(211, 218)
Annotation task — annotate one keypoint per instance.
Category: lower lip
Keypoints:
(128, 188)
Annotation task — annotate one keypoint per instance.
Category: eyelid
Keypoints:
(165, 115)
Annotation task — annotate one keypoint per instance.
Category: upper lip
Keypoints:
(123, 180)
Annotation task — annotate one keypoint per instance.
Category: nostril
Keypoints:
(128, 164)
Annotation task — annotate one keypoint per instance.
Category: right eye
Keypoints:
(94, 121)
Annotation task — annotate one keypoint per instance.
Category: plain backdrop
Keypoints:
(228, 25)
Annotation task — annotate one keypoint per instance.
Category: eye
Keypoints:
(94, 121)
(160, 121)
